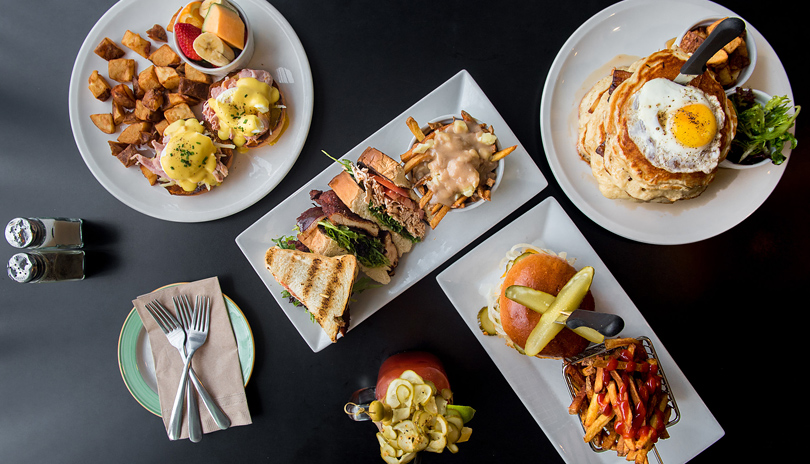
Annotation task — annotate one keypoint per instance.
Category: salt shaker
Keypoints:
(44, 232)
(47, 266)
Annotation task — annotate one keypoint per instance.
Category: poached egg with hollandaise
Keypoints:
(244, 108)
(189, 157)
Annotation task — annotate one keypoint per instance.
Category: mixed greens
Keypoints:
(369, 250)
(762, 131)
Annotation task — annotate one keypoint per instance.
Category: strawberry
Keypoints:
(186, 33)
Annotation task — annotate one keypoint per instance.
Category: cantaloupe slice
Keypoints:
(226, 24)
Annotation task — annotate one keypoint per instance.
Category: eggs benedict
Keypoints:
(187, 161)
(246, 109)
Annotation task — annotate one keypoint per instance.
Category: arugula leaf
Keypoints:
(297, 303)
(368, 250)
(379, 213)
(347, 165)
(762, 131)
(364, 283)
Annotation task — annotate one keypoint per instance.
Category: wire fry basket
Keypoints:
(598, 350)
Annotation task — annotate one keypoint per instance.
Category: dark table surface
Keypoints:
(61, 393)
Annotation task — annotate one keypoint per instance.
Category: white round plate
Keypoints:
(617, 36)
(253, 174)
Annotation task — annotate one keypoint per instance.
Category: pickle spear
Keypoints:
(567, 300)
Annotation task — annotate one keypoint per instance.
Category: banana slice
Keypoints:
(212, 49)
(207, 4)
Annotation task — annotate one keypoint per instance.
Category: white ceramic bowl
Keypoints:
(447, 119)
(762, 98)
(239, 62)
(750, 43)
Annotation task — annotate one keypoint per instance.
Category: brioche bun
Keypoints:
(547, 273)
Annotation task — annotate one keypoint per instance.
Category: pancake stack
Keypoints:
(619, 166)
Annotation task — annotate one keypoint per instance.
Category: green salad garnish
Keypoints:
(762, 131)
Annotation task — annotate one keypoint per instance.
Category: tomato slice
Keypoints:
(390, 185)
(427, 365)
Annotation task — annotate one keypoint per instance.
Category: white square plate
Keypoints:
(539, 383)
(521, 181)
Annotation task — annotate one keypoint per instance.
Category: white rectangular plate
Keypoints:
(539, 383)
(521, 181)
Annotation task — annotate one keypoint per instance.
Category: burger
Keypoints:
(541, 270)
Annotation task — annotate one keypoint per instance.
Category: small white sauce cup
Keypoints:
(750, 44)
(447, 119)
(239, 62)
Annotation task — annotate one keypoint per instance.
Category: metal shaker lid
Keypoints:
(22, 232)
(24, 267)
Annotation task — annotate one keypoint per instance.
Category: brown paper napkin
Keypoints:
(216, 362)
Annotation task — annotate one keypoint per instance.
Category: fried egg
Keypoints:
(676, 127)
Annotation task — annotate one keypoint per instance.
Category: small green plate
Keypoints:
(135, 355)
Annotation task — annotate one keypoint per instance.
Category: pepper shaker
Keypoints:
(47, 266)
(37, 233)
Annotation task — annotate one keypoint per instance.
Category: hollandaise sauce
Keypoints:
(189, 157)
(242, 110)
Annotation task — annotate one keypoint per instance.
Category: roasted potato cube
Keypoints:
(197, 76)
(121, 69)
(136, 89)
(136, 43)
(141, 112)
(165, 56)
(161, 126)
(98, 86)
(181, 111)
(116, 147)
(153, 99)
(132, 133)
(118, 112)
(123, 95)
(124, 152)
(174, 99)
(108, 50)
(147, 79)
(104, 121)
(157, 33)
(167, 76)
(193, 89)
(150, 176)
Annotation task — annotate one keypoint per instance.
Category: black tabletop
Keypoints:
(712, 303)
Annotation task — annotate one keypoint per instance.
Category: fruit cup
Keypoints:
(183, 37)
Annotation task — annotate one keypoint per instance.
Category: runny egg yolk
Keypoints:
(190, 156)
(694, 125)
(238, 109)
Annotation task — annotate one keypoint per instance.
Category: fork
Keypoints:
(196, 335)
(176, 336)
(194, 425)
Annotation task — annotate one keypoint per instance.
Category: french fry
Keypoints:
(503, 153)
(437, 218)
(597, 426)
(459, 203)
(425, 199)
(414, 161)
(415, 129)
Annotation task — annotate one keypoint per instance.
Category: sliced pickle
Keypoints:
(540, 301)
(408, 439)
(412, 377)
(465, 435)
(441, 405)
(400, 414)
(399, 391)
(452, 448)
(568, 299)
(521, 256)
(533, 299)
(421, 393)
(485, 323)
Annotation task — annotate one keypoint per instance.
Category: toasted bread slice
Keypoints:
(323, 284)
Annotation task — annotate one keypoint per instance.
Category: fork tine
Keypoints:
(167, 316)
(157, 318)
